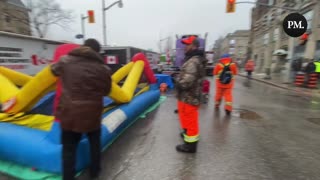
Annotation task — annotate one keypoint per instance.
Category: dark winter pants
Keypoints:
(249, 74)
(70, 141)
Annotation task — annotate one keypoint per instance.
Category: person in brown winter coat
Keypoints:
(85, 81)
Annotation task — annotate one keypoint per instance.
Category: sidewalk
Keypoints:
(277, 81)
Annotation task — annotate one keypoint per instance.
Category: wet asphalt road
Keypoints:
(273, 134)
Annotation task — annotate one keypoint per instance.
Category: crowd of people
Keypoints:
(84, 79)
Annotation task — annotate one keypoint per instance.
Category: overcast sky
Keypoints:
(140, 23)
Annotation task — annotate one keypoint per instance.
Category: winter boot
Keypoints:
(228, 112)
(182, 133)
(187, 147)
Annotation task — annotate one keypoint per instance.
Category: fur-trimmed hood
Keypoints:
(87, 53)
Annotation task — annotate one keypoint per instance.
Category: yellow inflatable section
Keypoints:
(30, 93)
(125, 93)
(36, 121)
(17, 101)
(15, 77)
(7, 89)
(122, 73)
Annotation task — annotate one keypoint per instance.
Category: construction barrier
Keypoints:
(307, 80)
(313, 80)
(299, 80)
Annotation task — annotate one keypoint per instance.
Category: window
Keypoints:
(279, 12)
(276, 34)
(231, 50)
(266, 39)
(271, 2)
(269, 18)
(309, 15)
(7, 18)
(232, 42)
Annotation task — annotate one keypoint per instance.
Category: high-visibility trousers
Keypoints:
(189, 121)
(225, 93)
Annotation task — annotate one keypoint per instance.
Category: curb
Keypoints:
(280, 86)
(270, 83)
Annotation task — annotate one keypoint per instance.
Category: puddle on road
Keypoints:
(246, 114)
(314, 120)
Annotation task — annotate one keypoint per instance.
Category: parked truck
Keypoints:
(29, 55)
(116, 57)
(180, 54)
(26, 54)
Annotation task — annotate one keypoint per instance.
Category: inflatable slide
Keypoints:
(30, 136)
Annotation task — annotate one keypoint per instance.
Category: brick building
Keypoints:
(14, 17)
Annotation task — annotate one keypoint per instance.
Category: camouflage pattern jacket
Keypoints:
(189, 81)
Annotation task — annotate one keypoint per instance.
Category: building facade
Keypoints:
(14, 17)
(217, 49)
(236, 44)
(267, 35)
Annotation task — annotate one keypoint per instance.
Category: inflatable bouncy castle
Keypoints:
(29, 134)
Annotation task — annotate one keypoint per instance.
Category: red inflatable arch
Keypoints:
(147, 69)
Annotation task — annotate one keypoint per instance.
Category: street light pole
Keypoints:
(104, 23)
(104, 8)
(167, 38)
(83, 29)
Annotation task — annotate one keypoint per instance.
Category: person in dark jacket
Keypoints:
(85, 81)
(310, 68)
(188, 85)
(296, 66)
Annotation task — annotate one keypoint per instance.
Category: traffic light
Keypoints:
(231, 6)
(91, 16)
(304, 39)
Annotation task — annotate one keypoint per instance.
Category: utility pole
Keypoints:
(104, 28)
(104, 8)
(83, 29)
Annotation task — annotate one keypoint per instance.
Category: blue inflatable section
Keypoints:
(45, 105)
(42, 150)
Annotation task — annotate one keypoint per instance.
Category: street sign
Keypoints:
(79, 36)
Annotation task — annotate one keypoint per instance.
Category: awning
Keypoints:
(280, 52)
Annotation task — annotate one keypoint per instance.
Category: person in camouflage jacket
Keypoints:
(188, 86)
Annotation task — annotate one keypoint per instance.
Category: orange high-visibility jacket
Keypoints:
(218, 70)
(249, 65)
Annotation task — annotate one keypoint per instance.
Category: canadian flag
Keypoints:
(111, 60)
(168, 57)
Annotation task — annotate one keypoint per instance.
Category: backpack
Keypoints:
(226, 74)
